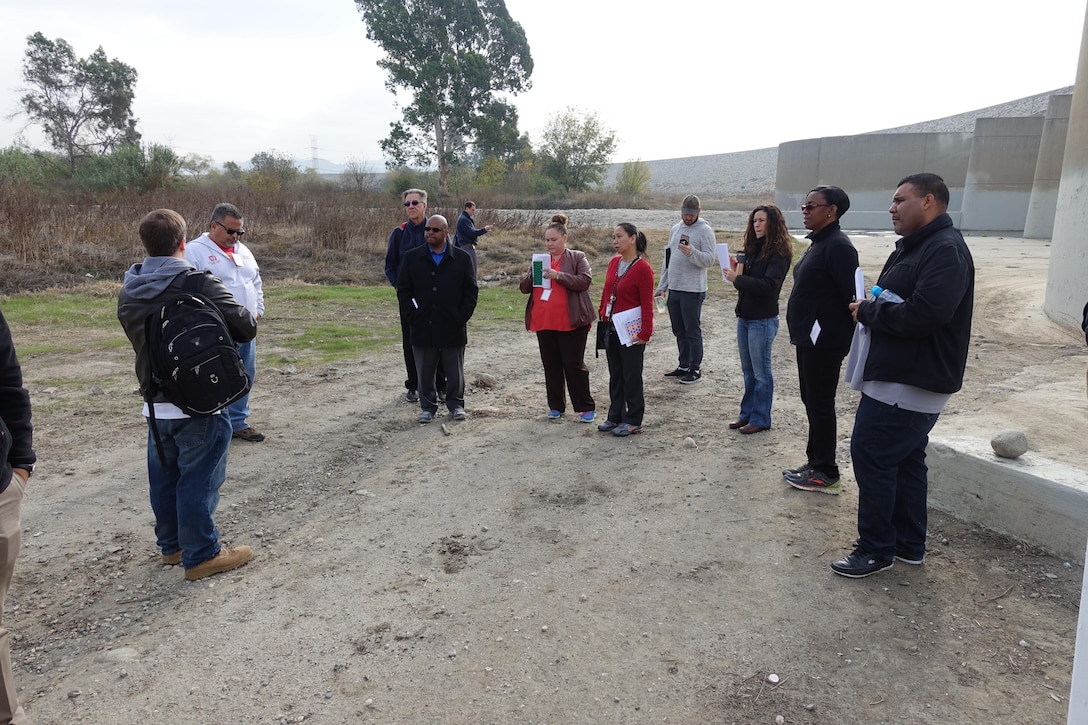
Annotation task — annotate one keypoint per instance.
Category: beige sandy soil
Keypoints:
(506, 569)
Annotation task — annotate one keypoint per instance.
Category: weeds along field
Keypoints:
(62, 239)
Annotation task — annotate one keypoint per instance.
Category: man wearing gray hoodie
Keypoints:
(184, 489)
(689, 254)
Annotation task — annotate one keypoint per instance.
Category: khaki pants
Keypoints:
(10, 539)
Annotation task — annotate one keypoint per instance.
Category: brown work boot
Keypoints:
(250, 434)
(172, 559)
(229, 557)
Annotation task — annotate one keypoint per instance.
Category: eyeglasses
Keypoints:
(413, 202)
(436, 230)
(229, 231)
(810, 207)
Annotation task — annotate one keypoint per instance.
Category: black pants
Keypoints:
(628, 402)
(563, 355)
(412, 383)
(429, 359)
(818, 374)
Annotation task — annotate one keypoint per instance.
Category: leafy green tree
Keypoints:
(131, 167)
(634, 178)
(575, 149)
(271, 171)
(232, 171)
(497, 134)
(453, 57)
(196, 165)
(492, 173)
(83, 105)
(23, 168)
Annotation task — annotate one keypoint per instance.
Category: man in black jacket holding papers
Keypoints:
(916, 359)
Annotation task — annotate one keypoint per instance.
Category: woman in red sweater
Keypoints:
(628, 284)
(561, 317)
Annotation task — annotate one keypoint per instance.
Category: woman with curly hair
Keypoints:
(768, 251)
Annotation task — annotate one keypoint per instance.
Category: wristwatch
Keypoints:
(28, 467)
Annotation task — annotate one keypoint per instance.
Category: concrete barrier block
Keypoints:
(1032, 499)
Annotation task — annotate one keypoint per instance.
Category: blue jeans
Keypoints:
(238, 411)
(888, 448)
(686, 314)
(754, 341)
(185, 494)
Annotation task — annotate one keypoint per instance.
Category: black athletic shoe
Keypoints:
(860, 564)
(692, 377)
(677, 373)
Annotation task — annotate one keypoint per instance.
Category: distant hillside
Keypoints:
(752, 173)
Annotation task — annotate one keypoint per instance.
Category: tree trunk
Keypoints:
(443, 162)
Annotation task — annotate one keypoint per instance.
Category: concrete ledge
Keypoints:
(1035, 500)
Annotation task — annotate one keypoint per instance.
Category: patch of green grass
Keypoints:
(324, 343)
(306, 323)
(65, 311)
(505, 304)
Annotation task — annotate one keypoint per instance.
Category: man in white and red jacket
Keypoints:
(220, 251)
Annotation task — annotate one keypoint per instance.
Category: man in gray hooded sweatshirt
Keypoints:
(184, 491)
(689, 254)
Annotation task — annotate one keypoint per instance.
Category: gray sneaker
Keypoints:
(426, 416)
(458, 414)
(411, 396)
(626, 429)
(796, 474)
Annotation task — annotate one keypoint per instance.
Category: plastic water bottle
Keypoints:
(879, 293)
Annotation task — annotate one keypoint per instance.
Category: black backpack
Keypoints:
(194, 362)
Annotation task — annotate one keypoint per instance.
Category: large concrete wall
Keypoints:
(1067, 280)
(1000, 174)
(867, 167)
(1048, 169)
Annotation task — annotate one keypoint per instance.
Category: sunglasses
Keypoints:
(810, 207)
(229, 231)
(435, 230)
(413, 202)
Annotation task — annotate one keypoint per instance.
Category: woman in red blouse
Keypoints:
(628, 284)
(561, 316)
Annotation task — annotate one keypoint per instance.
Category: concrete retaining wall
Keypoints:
(1032, 499)
(868, 167)
(1048, 169)
(1000, 174)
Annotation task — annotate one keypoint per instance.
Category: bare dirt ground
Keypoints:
(506, 569)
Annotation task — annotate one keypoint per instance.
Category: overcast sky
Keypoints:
(233, 77)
